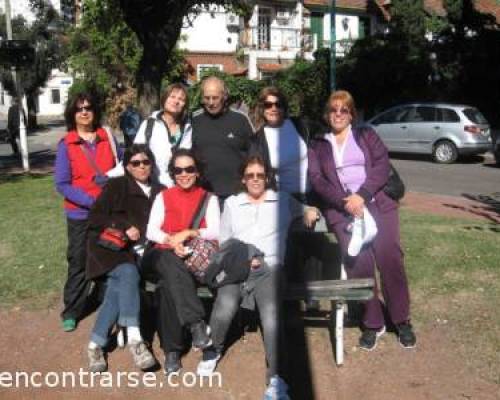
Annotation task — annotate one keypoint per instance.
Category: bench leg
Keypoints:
(339, 332)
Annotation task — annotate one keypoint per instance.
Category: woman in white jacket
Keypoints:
(170, 129)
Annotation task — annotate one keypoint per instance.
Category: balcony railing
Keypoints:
(273, 38)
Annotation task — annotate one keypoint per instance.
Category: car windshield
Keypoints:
(474, 115)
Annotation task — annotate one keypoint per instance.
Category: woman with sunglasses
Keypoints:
(170, 129)
(259, 216)
(83, 158)
(124, 204)
(348, 169)
(170, 229)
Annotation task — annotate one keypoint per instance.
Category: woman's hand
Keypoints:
(180, 237)
(311, 215)
(255, 263)
(133, 233)
(181, 251)
(354, 205)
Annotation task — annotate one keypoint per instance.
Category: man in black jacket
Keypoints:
(221, 138)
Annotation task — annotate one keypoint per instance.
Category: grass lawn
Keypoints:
(453, 266)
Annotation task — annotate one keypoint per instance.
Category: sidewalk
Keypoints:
(486, 208)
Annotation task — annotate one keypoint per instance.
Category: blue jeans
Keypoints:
(121, 302)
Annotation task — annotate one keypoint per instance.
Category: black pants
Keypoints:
(76, 289)
(177, 302)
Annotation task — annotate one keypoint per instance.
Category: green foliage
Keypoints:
(103, 48)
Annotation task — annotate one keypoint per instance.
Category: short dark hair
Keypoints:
(185, 153)
(268, 171)
(135, 149)
(71, 106)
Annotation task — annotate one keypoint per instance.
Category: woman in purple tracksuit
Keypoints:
(348, 168)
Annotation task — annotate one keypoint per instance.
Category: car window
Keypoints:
(421, 114)
(475, 115)
(392, 116)
(447, 115)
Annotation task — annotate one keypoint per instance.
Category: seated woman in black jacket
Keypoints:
(124, 204)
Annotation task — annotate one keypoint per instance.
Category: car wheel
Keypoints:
(445, 152)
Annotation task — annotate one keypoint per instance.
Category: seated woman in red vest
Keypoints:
(170, 228)
(83, 157)
(123, 205)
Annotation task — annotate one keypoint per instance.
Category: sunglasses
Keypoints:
(188, 170)
(252, 175)
(270, 104)
(84, 109)
(136, 163)
(342, 110)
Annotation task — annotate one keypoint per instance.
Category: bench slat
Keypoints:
(336, 284)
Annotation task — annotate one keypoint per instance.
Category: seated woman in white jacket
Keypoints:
(259, 216)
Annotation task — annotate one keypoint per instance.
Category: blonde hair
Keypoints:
(345, 98)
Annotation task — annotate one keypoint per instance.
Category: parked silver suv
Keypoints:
(440, 129)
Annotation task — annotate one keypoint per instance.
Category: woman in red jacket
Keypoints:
(348, 169)
(170, 228)
(83, 157)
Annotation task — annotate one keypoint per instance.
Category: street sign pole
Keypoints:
(333, 49)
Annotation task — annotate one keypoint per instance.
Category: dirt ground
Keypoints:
(32, 341)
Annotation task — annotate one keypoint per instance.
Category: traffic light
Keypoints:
(16, 53)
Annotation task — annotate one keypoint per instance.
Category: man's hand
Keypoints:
(354, 205)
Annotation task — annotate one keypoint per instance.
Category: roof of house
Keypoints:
(359, 5)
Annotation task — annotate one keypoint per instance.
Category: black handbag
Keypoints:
(395, 187)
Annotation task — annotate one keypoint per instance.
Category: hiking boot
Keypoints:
(369, 338)
(172, 363)
(97, 361)
(207, 365)
(406, 336)
(142, 356)
(200, 332)
(277, 389)
(69, 325)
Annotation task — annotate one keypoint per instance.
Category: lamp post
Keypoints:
(332, 46)
(20, 106)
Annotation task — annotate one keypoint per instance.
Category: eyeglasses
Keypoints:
(188, 170)
(252, 175)
(270, 104)
(84, 109)
(136, 163)
(341, 110)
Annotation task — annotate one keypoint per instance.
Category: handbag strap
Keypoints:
(112, 144)
(200, 212)
(91, 160)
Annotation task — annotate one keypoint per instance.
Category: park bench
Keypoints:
(338, 292)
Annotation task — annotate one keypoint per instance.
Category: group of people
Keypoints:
(251, 184)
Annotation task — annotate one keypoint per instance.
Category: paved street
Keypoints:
(471, 177)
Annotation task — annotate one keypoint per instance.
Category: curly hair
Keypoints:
(72, 105)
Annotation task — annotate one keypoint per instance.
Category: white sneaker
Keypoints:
(277, 389)
(207, 367)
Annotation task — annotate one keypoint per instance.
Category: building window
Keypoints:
(205, 69)
(55, 96)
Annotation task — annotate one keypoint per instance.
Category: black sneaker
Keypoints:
(369, 338)
(406, 336)
(172, 363)
(201, 335)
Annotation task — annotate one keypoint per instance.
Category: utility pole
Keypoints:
(333, 49)
(22, 126)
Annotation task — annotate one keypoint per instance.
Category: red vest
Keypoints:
(180, 206)
(82, 172)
